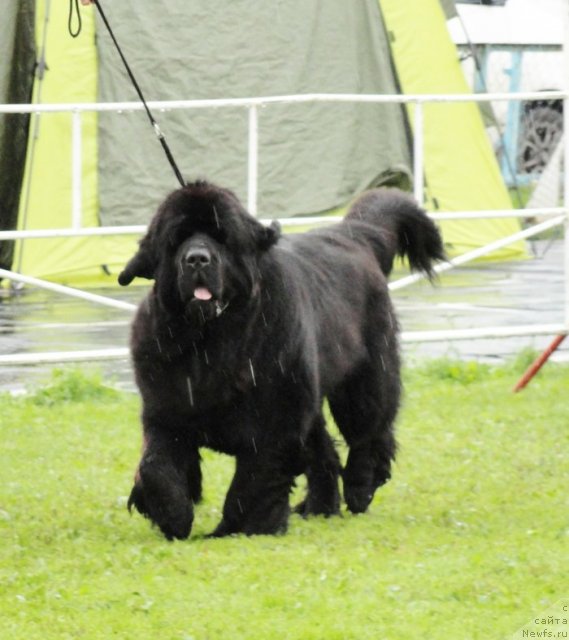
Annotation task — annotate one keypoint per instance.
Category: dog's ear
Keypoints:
(268, 236)
(141, 265)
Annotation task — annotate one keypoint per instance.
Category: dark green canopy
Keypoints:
(312, 157)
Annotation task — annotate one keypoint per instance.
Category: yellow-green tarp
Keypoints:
(71, 78)
(461, 171)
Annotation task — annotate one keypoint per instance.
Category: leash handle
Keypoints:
(74, 9)
(153, 122)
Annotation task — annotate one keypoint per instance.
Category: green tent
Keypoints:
(313, 157)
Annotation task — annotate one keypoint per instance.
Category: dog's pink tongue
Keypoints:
(201, 293)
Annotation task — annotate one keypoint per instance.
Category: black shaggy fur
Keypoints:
(244, 334)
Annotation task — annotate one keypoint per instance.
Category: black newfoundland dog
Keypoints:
(244, 334)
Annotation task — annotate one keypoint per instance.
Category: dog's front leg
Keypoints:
(167, 481)
(258, 499)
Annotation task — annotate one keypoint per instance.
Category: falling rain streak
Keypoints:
(190, 391)
(252, 373)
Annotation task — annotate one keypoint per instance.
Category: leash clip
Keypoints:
(158, 131)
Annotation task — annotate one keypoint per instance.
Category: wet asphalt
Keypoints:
(495, 294)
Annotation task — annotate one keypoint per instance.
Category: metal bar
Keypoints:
(166, 105)
(498, 213)
(487, 332)
(566, 196)
(65, 356)
(480, 252)
(253, 160)
(418, 153)
(76, 164)
(69, 291)
(291, 222)
(73, 233)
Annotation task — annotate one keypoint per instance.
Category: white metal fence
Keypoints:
(556, 216)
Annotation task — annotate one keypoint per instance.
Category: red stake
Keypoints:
(538, 363)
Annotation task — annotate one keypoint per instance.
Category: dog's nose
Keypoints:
(197, 257)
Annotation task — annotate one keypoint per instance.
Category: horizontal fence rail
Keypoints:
(556, 216)
(167, 105)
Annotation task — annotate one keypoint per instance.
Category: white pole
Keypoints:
(566, 203)
(84, 232)
(285, 222)
(487, 332)
(76, 164)
(566, 162)
(65, 356)
(69, 291)
(253, 160)
(168, 105)
(418, 153)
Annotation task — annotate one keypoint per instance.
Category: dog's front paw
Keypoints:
(358, 497)
(160, 495)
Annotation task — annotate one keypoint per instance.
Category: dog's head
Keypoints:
(201, 248)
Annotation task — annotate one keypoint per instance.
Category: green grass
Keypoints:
(469, 540)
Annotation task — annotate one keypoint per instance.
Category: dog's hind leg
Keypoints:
(322, 471)
(364, 408)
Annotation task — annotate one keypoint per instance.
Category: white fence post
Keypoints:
(418, 152)
(566, 202)
(253, 160)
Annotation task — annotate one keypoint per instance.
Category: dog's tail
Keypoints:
(392, 223)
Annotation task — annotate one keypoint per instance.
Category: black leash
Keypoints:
(73, 5)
